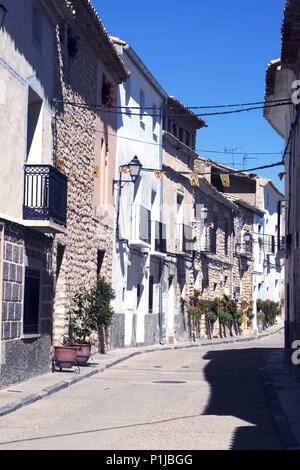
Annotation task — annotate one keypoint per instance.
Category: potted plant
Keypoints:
(102, 312)
(64, 357)
(80, 330)
(92, 313)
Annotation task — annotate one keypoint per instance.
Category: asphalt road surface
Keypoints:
(200, 398)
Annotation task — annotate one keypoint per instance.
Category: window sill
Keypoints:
(32, 336)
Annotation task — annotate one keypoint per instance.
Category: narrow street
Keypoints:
(203, 398)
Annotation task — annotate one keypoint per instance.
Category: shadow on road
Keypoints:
(237, 390)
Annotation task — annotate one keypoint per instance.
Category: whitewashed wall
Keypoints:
(23, 62)
(141, 138)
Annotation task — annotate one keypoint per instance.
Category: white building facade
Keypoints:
(33, 193)
(273, 265)
(138, 256)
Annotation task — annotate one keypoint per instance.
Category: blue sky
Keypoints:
(209, 52)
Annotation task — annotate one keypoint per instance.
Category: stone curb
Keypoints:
(59, 386)
(286, 434)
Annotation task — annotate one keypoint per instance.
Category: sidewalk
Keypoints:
(283, 391)
(26, 393)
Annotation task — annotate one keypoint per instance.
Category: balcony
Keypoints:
(45, 199)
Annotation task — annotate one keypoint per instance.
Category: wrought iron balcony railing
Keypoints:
(45, 194)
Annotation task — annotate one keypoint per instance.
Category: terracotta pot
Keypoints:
(84, 352)
(65, 357)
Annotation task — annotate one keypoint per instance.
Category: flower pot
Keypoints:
(65, 357)
(83, 353)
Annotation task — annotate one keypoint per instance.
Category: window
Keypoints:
(261, 245)
(155, 118)
(174, 130)
(142, 105)
(226, 235)
(188, 239)
(193, 141)
(108, 92)
(181, 131)
(151, 290)
(170, 126)
(37, 23)
(100, 259)
(259, 287)
(213, 235)
(187, 138)
(213, 239)
(31, 301)
(180, 215)
(145, 225)
(73, 45)
(127, 91)
(34, 127)
(128, 97)
(179, 222)
(160, 237)
(273, 244)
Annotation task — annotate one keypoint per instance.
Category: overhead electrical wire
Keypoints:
(160, 145)
(143, 115)
(238, 105)
(231, 172)
(229, 153)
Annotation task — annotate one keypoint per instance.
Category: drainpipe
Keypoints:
(161, 269)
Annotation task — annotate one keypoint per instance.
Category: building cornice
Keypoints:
(174, 106)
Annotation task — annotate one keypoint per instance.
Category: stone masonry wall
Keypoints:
(243, 269)
(23, 357)
(175, 161)
(215, 269)
(12, 306)
(75, 151)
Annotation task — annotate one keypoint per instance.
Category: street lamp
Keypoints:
(247, 237)
(135, 168)
(3, 12)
